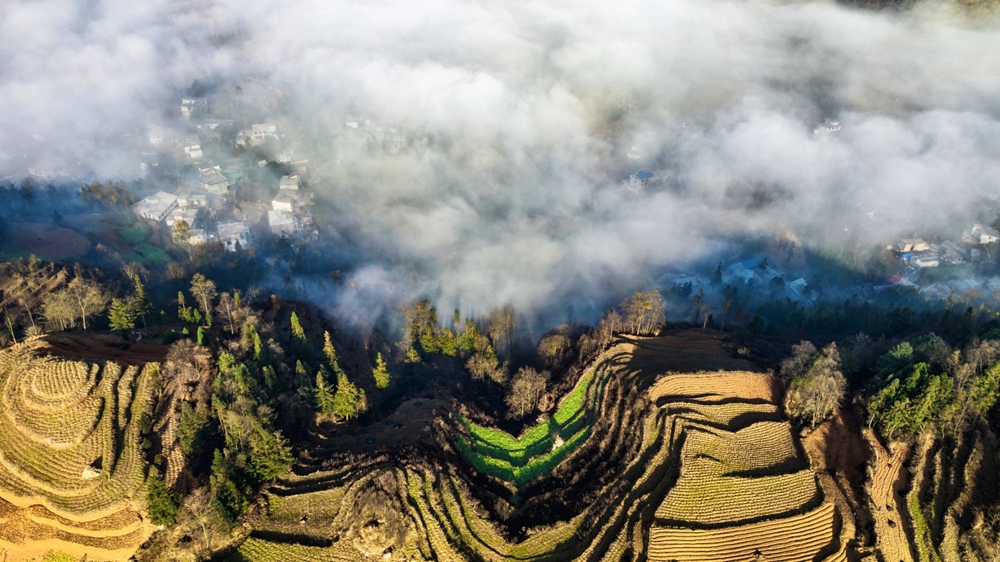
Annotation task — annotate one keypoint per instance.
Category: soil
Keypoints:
(892, 522)
(46, 240)
(838, 453)
(406, 424)
(102, 348)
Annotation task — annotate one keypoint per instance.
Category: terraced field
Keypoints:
(640, 462)
(71, 460)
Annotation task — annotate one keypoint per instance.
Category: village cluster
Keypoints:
(201, 210)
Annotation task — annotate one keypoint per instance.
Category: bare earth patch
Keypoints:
(46, 240)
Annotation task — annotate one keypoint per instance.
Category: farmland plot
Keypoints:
(71, 462)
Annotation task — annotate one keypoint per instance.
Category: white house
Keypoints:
(282, 222)
(984, 235)
(192, 147)
(213, 181)
(640, 179)
(259, 131)
(191, 105)
(188, 215)
(828, 126)
(190, 198)
(289, 182)
(285, 201)
(156, 207)
(235, 235)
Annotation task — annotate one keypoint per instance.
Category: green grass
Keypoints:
(521, 460)
(135, 233)
(922, 531)
(153, 254)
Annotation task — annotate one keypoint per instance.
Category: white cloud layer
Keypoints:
(532, 105)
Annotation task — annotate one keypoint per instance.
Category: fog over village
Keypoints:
(517, 125)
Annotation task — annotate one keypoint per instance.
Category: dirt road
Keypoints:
(888, 506)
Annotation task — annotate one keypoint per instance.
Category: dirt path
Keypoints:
(888, 506)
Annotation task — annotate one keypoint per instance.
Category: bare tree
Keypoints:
(88, 297)
(802, 356)
(204, 290)
(58, 309)
(501, 327)
(526, 389)
(227, 310)
(644, 311)
(815, 393)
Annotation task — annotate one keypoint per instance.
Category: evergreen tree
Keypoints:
(299, 342)
(322, 394)
(121, 316)
(258, 347)
(381, 372)
(271, 456)
(329, 351)
(348, 399)
(201, 336)
(162, 503)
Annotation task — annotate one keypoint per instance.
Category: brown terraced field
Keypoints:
(688, 457)
(71, 465)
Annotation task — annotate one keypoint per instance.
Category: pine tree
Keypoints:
(121, 316)
(346, 399)
(329, 351)
(161, 502)
(201, 336)
(297, 331)
(381, 372)
(258, 347)
(322, 395)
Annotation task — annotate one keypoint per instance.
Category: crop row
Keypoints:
(800, 538)
(259, 550)
(754, 448)
(702, 496)
(745, 386)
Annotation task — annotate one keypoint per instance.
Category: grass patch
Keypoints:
(522, 459)
(135, 233)
(153, 254)
(922, 531)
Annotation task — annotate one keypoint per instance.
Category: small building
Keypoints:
(289, 182)
(192, 147)
(798, 286)
(191, 198)
(213, 181)
(282, 223)
(213, 124)
(190, 106)
(634, 154)
(984, 235)
(908, 245)
(259, 131)
(197, 236)
(188, 214)
(640, 179)
(828, 126)
(156, 207)
(924, 262)
(234, 235)
(285, 201)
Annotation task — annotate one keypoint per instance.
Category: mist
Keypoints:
(527, 112)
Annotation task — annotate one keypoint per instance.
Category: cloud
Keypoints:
(530, 108)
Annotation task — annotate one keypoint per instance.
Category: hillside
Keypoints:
(72, 466)
(640, 459)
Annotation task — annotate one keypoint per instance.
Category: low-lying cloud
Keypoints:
(529, 110)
